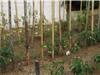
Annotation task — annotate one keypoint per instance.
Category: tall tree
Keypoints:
(53, 19)
(26, 33)
(41, 22)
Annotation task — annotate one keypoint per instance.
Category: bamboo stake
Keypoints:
(87, 16)
(80, 15)
(63, 10)
(41, 22)
(99, 16)
(92, 21)
(17, 23)
(33, 21)
(53, 19)
(70, 26)
(11, 46)
(81, 7)
(9, 9)
(26, 33)
(60, 32)
(1, 31)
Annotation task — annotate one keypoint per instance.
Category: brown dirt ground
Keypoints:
(85, 54)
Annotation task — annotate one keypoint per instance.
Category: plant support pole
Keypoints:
(41, 22)
(63, 10)
(99, 16)
(92, 21)
(1, 30)
(81, 7)
(53, 19)
(60, 32)
(87, 12)
(26, 33)
(17, 23)
(33, 23)
(70, 26)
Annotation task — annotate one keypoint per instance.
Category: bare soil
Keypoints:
(86, 54)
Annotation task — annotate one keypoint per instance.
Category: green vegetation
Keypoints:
(78, 67)
(6, 58)
(55, 67)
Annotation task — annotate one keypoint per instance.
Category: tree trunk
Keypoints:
(26, 33)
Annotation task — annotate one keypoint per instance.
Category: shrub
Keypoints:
(55, 67)
(75, 48)
(6, 57)
(97, 60)
(78, 67)
(86, 38)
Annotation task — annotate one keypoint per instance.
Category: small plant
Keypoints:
(56, 67)
(75, 48)
(97, 60)
(78, 67)
(64, 41)
(86, 38)
(6, 57)
(88, 69)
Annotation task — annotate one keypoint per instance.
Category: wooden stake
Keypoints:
(17, 23)
(81, 7)
(70, 26)
(92, 21)
(33, 21)
(1, 30)
(87, 16)
(41, 22)
(63, 10)
(81, 19)
(53, 19)
(60, 32)
(99, 16)
(26, 33)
